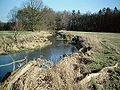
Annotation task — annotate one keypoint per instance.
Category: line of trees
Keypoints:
(106, 20)
(35, 16)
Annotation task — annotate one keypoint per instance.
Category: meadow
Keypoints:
(107, 54)
(8, 34)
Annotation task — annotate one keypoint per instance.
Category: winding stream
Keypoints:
(52, 52)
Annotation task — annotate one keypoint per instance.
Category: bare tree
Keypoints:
(33, 8)
(65, 19)
(14, 23)
(12, 15)
(12, 18)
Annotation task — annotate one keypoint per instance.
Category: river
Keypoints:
(52, 52)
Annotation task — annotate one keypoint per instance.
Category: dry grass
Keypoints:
(23, 42)
(61, 76)
(66, 75)
(89, 40)
(71, 73)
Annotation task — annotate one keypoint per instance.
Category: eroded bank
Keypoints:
(72, 72)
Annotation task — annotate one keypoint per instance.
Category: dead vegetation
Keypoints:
(82, 40)
(30, 41)
(71, 73)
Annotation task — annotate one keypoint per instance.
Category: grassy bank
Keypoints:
(11, 34)
(93, 67)
(107, 55)
(22, 50)
(12, 42)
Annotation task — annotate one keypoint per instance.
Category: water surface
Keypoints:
(52, 52)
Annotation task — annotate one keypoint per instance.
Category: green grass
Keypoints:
(59, 38)
(108, 55)
(110, 42)
(10, 34)
(46, 44)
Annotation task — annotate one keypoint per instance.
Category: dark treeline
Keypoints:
(35, 16)
(106, 20)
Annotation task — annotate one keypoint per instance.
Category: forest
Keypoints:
(36, 16)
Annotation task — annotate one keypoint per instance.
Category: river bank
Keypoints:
(77, 71)
(52, 52)
(33, 40)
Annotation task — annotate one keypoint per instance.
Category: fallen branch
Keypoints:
(99, 76)
(13, 78)
(13, 62)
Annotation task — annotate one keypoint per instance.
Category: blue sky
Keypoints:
(60, 5)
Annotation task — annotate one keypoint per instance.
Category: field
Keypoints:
(107, 55)
(8, 34)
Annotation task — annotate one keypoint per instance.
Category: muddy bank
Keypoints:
(24, 42)
(71, 73)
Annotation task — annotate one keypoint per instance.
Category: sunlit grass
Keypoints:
(8, 34)
(108, 55)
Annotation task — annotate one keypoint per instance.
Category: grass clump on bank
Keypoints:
(22, 50)
(107, 55)
(9, 43)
